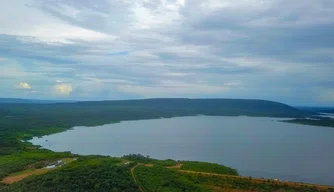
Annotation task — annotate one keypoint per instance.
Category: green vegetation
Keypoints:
(207, 167)
(18, 161)
(226, 183)
(97, 173)
(92, 173)
(147, 160)
(100, 173)
(161, 179)
(323, 122)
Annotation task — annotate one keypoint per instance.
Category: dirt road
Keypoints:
(257, 180)
(134, 178)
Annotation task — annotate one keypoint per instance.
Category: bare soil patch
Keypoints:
(19, 176)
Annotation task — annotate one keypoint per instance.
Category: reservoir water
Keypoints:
(258, 147)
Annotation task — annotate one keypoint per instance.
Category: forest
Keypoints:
(86, 174)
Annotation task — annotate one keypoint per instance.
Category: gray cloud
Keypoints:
(247, 49)
(103, 15)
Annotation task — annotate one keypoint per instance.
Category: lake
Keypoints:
(255, 146)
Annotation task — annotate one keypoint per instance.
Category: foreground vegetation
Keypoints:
(101, 173)
(86, 174)
(20, 160)
(158, 178)
(207, 167)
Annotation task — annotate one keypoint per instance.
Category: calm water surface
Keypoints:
(258, 147)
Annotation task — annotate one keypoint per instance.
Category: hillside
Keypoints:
(166, 106)
(317, 109)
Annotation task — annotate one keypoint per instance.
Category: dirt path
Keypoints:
(16, 178)
(134, 178)
(177, 166)
(214, 174)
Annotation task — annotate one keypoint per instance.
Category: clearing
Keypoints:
(18, 176)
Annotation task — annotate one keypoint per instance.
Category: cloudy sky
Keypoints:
(279, 50)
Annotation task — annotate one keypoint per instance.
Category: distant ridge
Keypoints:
(165, 107)
(229, 107)
(318, 109)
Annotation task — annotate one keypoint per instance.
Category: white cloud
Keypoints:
(63, 88)
(232, 84)
(175, 74)
(24, 85)
(12, 69)
(266, 64)
(173, 89)
(62, 33)
(181, 2)
(185, 50)
(166, 11)
(326, 96)
(32, 25)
